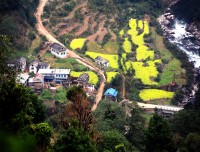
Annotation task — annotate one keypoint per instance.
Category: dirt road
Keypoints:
(42, 31)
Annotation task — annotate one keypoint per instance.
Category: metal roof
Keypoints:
(58, 47)
(54, 71)
(111, 92)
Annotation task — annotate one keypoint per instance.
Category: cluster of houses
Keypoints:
(38, 75)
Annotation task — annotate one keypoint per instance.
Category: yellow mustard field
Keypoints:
(77, 43)
(121, 33)
(140, 24)
(153, 94)
(124, 56)
(93, 78)
(110, 76)
(113, 59)
(142, 53)
(145, 73)
(127, 45)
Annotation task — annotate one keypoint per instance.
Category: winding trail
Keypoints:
(42, 31)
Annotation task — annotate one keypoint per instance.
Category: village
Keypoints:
(38, 75)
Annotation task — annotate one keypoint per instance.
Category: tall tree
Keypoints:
(136, 130)
(158, 137)
(75, 139)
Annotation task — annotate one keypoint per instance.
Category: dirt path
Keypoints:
(123, 87)
(41, 30)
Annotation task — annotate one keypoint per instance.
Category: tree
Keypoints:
(192, 142)
(75, 92)
(42, 133)
(114, 141)
(158, 137)
(136, 124)
(18, 107)
(75, 139)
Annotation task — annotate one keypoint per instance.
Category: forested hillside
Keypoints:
(144, 68)
(17, 20)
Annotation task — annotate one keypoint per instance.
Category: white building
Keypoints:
(55, 75)
(35, 65)
(102, 61)
(22, 79)
(58, 50)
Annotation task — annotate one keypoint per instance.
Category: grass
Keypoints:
(111, 47)
(60, 95)
(172, 71)
(113, 59)
(93, 78)
(127, 46)
(110, 76)
(77, 43)
(152, 94)
(94, 47)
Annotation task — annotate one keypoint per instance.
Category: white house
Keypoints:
(101, 61)
(55, 75)
(22, 79)
(35, 65)
(58, 50)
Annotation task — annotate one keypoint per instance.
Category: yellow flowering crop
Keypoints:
(152, 94)
(93, 78)
(77, 43)
(111, 75)
(140, 24)
(143, 53)
(145, 73)
(127, 46)
(124, 56)
(146, 28)
(121, 33)
(133, 23)
(128, 65)
(113, 59)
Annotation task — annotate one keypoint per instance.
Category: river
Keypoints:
(176, 33)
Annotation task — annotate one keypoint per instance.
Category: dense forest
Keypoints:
(27, 125)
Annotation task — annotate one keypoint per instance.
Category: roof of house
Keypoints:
(22, 78)
(58, 47)
(44, 64)
(33, 63)
(21, 61)
(37, 78)
(83, 77)
(54, 71)
(104, 61)
(111, 92)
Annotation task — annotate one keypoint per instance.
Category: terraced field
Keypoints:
(126, 49)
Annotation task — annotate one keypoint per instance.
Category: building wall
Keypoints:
(32, 69)
(59, 54)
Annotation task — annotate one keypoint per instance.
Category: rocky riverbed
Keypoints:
(185, 36)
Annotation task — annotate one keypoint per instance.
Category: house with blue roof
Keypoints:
(111, 94)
